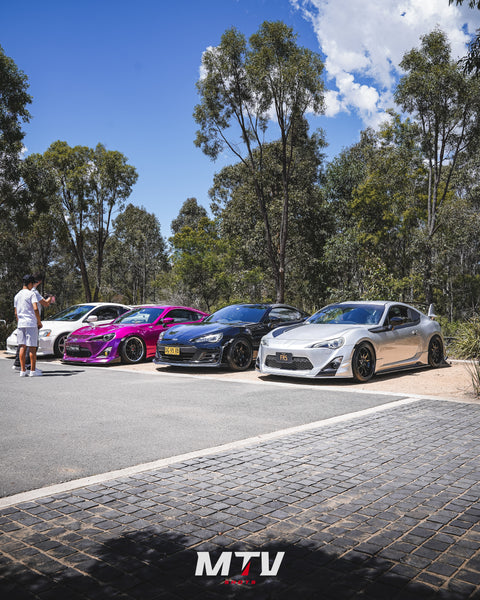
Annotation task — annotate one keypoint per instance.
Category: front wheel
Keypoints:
(240, 354)
(435, 351)
(363, 363)
(59, 345)
(132, 350)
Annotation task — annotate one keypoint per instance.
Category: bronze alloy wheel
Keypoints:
(435, 351)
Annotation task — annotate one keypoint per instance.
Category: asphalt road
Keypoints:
(79, 421)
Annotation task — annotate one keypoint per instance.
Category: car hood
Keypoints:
(184, 333)
(310, 332)
(117, 328)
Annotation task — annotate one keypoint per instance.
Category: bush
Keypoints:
(466, 344)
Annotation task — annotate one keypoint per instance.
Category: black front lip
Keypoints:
(195, 356)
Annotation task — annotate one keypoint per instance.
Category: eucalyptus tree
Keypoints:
(246, 89)
(14, 99)
(188, 216)
(445, 103)
(83, 187)
(471, 62)
(136, 255)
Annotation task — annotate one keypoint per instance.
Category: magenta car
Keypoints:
(131, 338)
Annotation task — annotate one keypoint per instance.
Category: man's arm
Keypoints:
(37, 314)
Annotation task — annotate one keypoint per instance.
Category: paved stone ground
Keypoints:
(383, 506)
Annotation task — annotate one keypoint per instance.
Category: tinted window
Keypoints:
(284, 314)
(399, 312)
(180, 315)
(238, 314)
(352, 314)
(407, 314)
(106, 313)
(72, 313)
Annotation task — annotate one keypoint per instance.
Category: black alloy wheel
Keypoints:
(435, 351)
(132, 350)
(240, 354)
(363, 363)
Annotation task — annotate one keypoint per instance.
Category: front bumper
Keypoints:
(45, 346)
(305, 362)
(189, 355)
(81, 351)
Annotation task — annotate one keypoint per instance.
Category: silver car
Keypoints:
(355, 340)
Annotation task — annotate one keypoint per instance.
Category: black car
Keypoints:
(231, 336)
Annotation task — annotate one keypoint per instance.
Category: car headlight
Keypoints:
(162, 333)
(103, 338)
(44, 333)
(210, 338)
(331, 344)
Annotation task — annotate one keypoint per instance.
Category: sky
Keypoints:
(123, 74)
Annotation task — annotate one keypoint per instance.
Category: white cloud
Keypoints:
(363, 42)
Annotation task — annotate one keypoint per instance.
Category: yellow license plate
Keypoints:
(172, 350)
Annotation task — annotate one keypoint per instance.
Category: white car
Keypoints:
(55, 330)
(354, 339)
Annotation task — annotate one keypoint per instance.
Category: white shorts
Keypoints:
(27, 336)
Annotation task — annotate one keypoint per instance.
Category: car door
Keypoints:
(401, 344)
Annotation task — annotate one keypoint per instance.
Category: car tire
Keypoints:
(363, 362)
(240, 354)
(435, 351)
(132, 350)
(59, 345)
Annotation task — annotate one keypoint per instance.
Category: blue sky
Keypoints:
(123, 73)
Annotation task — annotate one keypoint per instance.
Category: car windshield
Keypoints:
(237, 314)
(351, 314)
(140, 316)
(72, 313)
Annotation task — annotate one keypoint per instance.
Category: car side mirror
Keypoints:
(395, 322)
(167, 321)
(92, 319)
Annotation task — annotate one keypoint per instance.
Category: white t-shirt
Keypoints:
(38, 297)
(24, 306)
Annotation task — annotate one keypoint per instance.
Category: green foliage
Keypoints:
(242, 85)
(200, 264)
(189, 215)
(466, 344)
(13, 113)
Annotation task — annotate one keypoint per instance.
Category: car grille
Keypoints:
(81, 352)
(299, 363)
(189, 354)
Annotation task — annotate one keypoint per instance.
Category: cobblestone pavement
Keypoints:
(381, 506)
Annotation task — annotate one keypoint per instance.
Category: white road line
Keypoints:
(159, 464)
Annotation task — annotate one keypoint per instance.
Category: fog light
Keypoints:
(336, 363)
(107, 351)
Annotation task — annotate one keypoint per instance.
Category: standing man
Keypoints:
(28, 323)
(42, 302)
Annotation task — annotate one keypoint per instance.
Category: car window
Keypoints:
(353, 314)
(238, 313)
(180, 315)
(72, 313)
(283, 313)
(401, 312)
(105, 313)
(140, 316)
